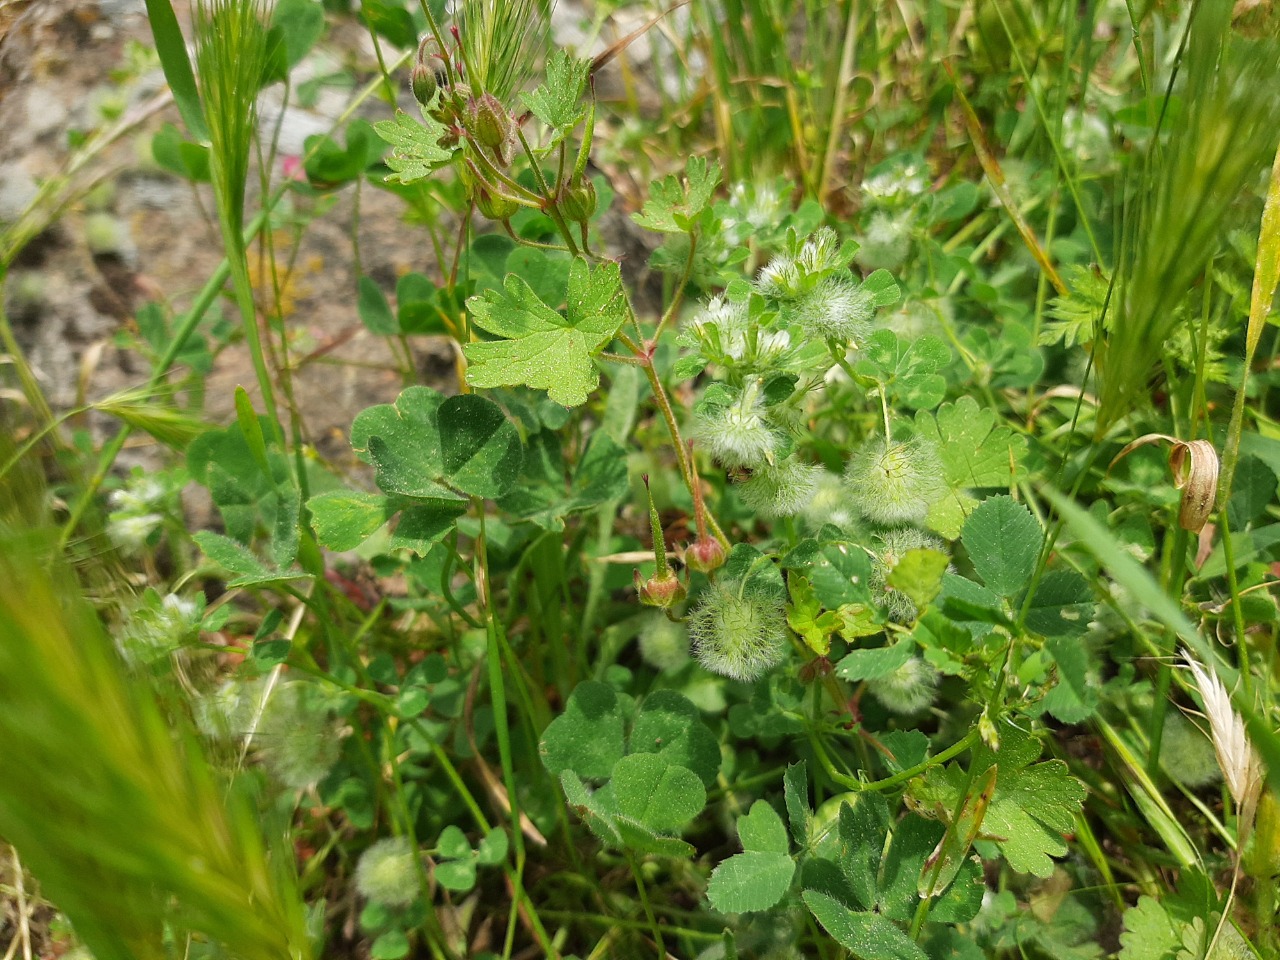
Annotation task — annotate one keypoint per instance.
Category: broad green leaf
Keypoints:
(1034, 804)
(914, 839)
(749, 882)
(975, 451)
(421, 525)
(1072, 699)
(416, 150)
(453, 843)
(344, 519)
(493, 847)
(760, 577)
(375, 312)
(659, 795)
(918, 574)
(588, 738)
(807, 618)
(557, 102)
(868, 664)
(235, 558)
(296, 25)
(861, 831)
(669, 725)
(761, 830)
(542, 349)
(674, 207)
(427, 447)
(1003, 540)
(1063, 605)
(841, 575)
(456, 875)
(586, 805)
(795, 783)
(944, 644)
(868, 936)
(391, 945)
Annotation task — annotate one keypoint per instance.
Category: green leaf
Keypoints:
(1072, 699)
(296, 25)
(392, 945)
(175, 63)
(670, 726)
(868, 664)
(1034, 804)
(456, 875)
(588, 738)
(247, 570)
(749, 882)
(868, 936)
(416, 150)
(1063, 605)
(428, 447)
(795, 785)
(918, 574)
(841, 575)
(659, 795)
(601, 476)
(975, 451)
(861, 831)
(906, 369)
(344, 519)
(493, 848)
(1149, 932)
(423, 524)
(1003, 540)
(761, 578)
(542, 349)
(373, 308)
(761, 830)
(557, 102)
(453, 844)
(673, 207)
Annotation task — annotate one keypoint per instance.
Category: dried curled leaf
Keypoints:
(1194, 464)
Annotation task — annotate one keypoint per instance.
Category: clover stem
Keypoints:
(648, 908)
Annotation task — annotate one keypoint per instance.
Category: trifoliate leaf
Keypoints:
(1003, 540)
(868, 936)
(673, 207)
(542, 349)
(557, 101)
(906, 369)
(416, 152)
(975, 452)
(344, 519)
(760, 876)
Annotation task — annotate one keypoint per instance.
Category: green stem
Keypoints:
(1176, 567)
(648, 908)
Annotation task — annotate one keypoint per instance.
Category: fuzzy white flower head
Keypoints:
(894, 544)
(830, 504)
(663, 645)
(1240, 762)
(737, 636)
(781, 278)
(783, 489)
(837, 309)
(131, 532)
(724, 315)
(737, 435)
(751, 209)
(895, 481)
(387, 873)
(886, 242)
(904, 182)
(908, 689)
(820, 253)
(298, 739)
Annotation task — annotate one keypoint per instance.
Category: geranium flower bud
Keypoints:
(490, 123)
(423, 82)
(704, 555)
(662, 589)
(493, 207)
(579, 202)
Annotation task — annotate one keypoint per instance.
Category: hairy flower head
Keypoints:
(907, 690)
(737, 435)
(830, 504)
(736, 634)
(836, 309)
(664, 645)
(782, 489)
(885, 243)
(387, 873)
(895, 481)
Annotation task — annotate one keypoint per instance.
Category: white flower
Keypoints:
(895, 481)
(886, 242)
(737, 435)
(130, 533)
(780, 278)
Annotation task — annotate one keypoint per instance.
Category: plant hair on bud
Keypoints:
(736, 635)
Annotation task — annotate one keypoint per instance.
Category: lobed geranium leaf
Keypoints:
(975, 451)
(416, 152)
(674, 207)
(557, 101)
(542, 349)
